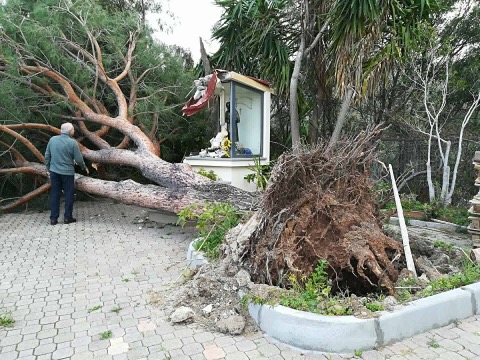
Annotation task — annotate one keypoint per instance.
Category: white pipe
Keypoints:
(403, 226)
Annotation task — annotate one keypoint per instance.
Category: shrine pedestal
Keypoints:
(230, 171)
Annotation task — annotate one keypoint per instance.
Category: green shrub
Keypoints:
(213, 221)
(470, 273)
(455, 215)
(313, 294)
(261, 173)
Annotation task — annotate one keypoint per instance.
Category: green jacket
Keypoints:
(61, 153)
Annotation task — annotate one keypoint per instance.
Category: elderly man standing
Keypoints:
(60, 158)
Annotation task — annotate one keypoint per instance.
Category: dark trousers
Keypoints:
(59, 183)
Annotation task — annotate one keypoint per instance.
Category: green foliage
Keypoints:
(106, 335)
(254, 299)
(443, 245)
(313, 294)
(469, 274)
(261, 174)
(374, 306)
(433, 343)
(48, 32)
(358, 353)
(403, 295)
(406, 287)
(252, 33)
(208, 174)
(6, 320)
(213, 220)
(382, 190)
(455, 215)
(368, 33)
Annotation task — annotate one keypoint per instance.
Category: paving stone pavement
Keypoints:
(67, 284)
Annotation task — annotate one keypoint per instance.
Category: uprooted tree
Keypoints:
(320, 205)
(77, 62)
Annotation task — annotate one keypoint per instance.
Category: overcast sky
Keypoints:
(192, 19)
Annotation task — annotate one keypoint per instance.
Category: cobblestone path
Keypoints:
(65, 285)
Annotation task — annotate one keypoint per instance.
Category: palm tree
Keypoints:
(352, 44)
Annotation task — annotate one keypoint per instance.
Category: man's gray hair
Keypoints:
(66, 128)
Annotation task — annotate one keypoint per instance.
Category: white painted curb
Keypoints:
(340, 334)
(195, 258)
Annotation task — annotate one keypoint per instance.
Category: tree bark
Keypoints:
(294, 120)
(342, 115)
(431, 189)
(157, 197)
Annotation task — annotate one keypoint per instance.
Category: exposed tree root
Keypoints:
(320, 205)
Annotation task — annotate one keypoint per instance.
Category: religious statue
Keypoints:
(227, 120)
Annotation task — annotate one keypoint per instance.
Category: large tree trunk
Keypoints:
(294, 119)
(157, 197)
(150, 196)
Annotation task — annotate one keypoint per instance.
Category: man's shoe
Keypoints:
(69, 221)
(53, 222)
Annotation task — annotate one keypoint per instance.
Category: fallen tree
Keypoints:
(95, 78)
(320, 205)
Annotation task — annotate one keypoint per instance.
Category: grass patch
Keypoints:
(106, 335)
(6, 320)
(358, 353)
(116, 310)
(374, 306)
(95, 308)
(443, 245)
(433, 343)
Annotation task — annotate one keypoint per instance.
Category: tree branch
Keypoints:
(131, 49)
(25, 141)
(26, 198)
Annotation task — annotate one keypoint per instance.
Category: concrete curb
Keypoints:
(195, 258)
(347, 333)
(314, 332)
